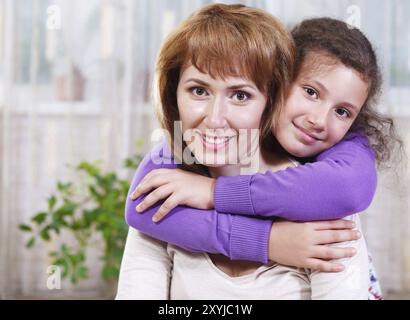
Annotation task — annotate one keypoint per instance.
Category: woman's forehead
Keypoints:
(236, 78)
(192, 71)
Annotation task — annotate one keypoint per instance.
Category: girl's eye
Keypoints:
(311, 92)
(198, 91)
(241, 96)
(343, 112)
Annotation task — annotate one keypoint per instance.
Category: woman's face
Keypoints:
(320, 109)
(216, 114)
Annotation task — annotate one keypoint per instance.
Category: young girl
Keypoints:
(311, 142)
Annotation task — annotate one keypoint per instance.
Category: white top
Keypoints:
(152, 269)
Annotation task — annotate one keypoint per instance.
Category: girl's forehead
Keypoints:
(315, 63)
(319, 65)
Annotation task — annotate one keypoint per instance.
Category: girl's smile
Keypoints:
(306, 136)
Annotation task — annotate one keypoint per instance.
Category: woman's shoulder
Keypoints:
(160, 156)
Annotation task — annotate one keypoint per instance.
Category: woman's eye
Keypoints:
(198, 91)
(241, 96)
(343, 112)
(311, 92)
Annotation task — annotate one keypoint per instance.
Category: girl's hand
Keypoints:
(305, 244)
(178, 187)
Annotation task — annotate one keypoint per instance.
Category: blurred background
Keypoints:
(75, 102)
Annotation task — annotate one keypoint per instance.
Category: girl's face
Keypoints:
(320, 109)
(214, 112)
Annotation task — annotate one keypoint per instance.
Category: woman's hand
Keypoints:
(178, 187)
(305, 244)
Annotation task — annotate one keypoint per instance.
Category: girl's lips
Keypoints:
(304, 136)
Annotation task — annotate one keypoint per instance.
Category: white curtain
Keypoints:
(76, 85)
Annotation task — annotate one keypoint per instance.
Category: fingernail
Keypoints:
(138, 208)
(353, 251)
(358, 234)
(154, 219)
(353, 225)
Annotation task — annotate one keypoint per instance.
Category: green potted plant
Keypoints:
(93, 204)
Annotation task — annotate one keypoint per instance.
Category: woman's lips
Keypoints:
(214, 143)
(305, 136)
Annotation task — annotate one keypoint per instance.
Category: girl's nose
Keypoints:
(317, 118)
(215, 116)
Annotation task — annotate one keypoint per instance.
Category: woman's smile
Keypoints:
(215, 143)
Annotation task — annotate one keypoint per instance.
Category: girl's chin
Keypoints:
(214, 165)
(299, 150)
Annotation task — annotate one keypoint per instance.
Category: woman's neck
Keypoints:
(261, 161)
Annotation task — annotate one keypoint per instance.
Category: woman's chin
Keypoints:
(213, 160)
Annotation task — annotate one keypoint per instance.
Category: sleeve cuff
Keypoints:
(232, 195)
(249, 239)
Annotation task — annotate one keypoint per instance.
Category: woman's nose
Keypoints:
(216, 114)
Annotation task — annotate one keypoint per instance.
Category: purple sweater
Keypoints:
(341, 182)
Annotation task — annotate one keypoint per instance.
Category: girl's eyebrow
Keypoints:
(323, 88)
(234, 87)
(320, 85)
(352, 106)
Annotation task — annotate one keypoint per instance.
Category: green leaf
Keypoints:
(40, 217)
(63, 187)
(67, 209)
(30, 242)
(110, 273)
(44, 234)
(90, 168)
(25, 228)
(83, 272)
(74, 278)
(51, 202)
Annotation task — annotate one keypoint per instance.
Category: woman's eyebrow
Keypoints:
(233, 87)
(202, 83)
(241, 86)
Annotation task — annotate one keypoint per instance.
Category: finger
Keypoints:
(154, 196)
(336, 236)
(147, 184)
(324, 266)
(166, 207)
(334, 224)
(332, 253)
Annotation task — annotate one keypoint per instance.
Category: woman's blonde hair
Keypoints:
(227, 40)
